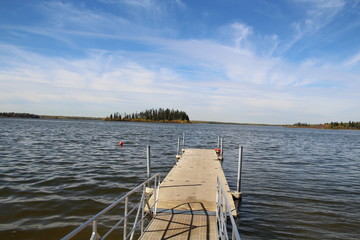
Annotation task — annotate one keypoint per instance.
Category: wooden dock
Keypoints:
(187, 198)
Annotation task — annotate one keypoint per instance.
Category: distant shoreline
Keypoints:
(141, 120)
(233, 123)
(319, 127)
(70, 117)
(34, 116)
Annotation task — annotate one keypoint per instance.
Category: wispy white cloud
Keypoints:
(152, 4)
(153, 16)
(353, 61)
(67, 22)
(317, 15)
(241, 33)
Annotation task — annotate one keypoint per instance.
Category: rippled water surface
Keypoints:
(297, 183)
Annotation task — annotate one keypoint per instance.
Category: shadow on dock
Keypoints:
(185, 221)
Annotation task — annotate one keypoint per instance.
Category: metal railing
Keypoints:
(223, 212)
(143, 208)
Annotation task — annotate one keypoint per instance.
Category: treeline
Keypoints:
(155, 115)
(331, 125)
(18, 115)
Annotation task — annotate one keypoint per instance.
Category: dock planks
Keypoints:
(187, 198)
(182, 226)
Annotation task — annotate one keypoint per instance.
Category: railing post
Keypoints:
(217, 206)
(94, 234)
(125, 220)
(218, 145)
(239, 169)
(156, 193)
(148, 162)
(143, 210)
(184, 139)
(221, 146)
(178, 146)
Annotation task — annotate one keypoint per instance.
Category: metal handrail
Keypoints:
(223, 212)
(140, 207)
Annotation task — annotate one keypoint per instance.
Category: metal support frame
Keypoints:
(140, 214)
(223, 212)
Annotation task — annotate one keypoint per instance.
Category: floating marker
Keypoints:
(121, 144)
(218, 151)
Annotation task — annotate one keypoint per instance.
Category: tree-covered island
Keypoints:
(152, 115)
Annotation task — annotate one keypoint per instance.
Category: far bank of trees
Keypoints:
(155, 115)
(331, 125)
(18, 115)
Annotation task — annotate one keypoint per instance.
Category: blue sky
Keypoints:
(254, 61)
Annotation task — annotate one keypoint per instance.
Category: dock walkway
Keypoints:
(187, 198)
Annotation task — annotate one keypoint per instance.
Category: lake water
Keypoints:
(297, 183)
